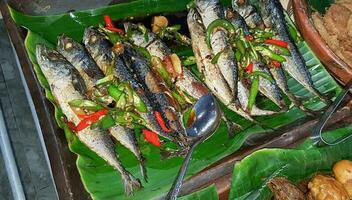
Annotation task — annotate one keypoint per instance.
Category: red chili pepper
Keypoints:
(90, 119)
(279, 43)
(110, 26)
(275, 64)
(249, 37)
(161, 122)
(249, 68)
(72, 126)
(151, 137)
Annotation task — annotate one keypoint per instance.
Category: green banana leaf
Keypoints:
(99, 179)
(252, 173)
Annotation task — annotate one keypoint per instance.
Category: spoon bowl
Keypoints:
(207, 118)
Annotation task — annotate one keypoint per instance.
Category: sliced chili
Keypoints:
(249, 68)
(151, 137)
(161, 122)
(275, 64)
(110, 26)
(279, 43)
(90, 119)
(249, 37)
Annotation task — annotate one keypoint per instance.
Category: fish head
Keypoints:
(48, 58)
(66, 45)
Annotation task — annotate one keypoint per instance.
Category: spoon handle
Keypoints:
(173, 193)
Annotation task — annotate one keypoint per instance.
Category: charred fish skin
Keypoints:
(156, 47)
(209, 11)
(295, 64)
(237, 20)
(156, 91)
(269, 88)
(78, 56)
(100, 49)
(66, 86)
(249, 13)
(212, 75)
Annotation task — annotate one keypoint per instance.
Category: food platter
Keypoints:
(92, 169)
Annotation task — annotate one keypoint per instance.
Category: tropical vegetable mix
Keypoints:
(121, 79)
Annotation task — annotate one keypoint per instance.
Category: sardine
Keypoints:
(209, 11)
(268, 88)
(78, 56)
(186, 81)
(277, 73)
(66, 85)
(213, 78)
(100, 49)
(249, 13)
(294, 65)
(157, 92)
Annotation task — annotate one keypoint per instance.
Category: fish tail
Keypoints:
(130, 183)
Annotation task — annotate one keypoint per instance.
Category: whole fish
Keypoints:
(295, 65)
(186, 81)
(277, 73)
(99, 48)
(66, 85)
(212, 75)
(157, 92)
(78, 56)
(211, 10)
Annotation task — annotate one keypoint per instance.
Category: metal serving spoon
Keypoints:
(207, 119)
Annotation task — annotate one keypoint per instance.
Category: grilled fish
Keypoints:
(100, 49)
(277, 73)
(212, 75)
(77, 55)
(209, 11)
(295, 65)
(157, 92)
(186, 82)
(66, 84)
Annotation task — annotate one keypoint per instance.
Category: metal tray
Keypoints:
(63, 166)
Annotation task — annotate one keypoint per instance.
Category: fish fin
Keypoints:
(143, 169)
(232, 127)
(130, 184)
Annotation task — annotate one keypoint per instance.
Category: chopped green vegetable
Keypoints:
(85, 104)
(219, 23)
(253, 93)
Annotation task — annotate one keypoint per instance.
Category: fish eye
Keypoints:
(92, 39)
(68, 46)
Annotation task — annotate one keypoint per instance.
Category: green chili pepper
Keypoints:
(121, 102)
(144, 31)
(158, 65)
(190, 60)
(267, 52)
(256, 74)
(182, 38)
(173, 28)
(216, 57)
(105, 81)
(114, 92)
(280, 50)
(253, 93)
(263, 34)
(125, 86)
(143, 51)
(112, 36)
(240, 46)
(138, 103)
(179, 98)
(219, 23)
(85, 104)
(238, 55)
(106, 122)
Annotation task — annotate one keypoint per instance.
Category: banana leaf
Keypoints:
(99, 179)
(251, 175)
